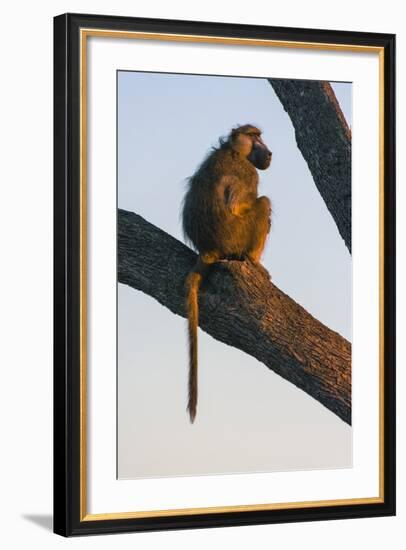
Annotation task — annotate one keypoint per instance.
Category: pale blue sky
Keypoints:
(166, 125)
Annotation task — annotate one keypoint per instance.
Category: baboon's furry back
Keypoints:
(208, 223)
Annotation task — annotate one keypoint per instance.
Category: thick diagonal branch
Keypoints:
(324, 139)
(240, 307)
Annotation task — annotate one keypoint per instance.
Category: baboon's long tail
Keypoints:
(193, 283)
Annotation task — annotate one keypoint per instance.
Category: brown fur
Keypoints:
(223, 218)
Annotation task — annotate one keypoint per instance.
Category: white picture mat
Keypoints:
(105, 492)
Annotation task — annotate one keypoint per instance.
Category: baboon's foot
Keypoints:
(257, 264)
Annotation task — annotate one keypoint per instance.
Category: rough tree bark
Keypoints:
(240, 307)
(324, 139)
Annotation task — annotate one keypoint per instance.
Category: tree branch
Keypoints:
(240, 307)
(324, 139)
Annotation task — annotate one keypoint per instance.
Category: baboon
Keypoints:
(223, 218)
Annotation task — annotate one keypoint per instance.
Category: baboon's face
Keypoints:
(260, 156)
(248, 142)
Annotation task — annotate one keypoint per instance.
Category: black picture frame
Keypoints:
(68, 517)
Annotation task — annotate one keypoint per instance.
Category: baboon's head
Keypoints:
(247, 141)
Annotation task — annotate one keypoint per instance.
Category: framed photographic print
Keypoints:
(224, 343)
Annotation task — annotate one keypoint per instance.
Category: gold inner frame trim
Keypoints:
(84, 34)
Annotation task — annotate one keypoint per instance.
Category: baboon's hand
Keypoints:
(265, 203)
